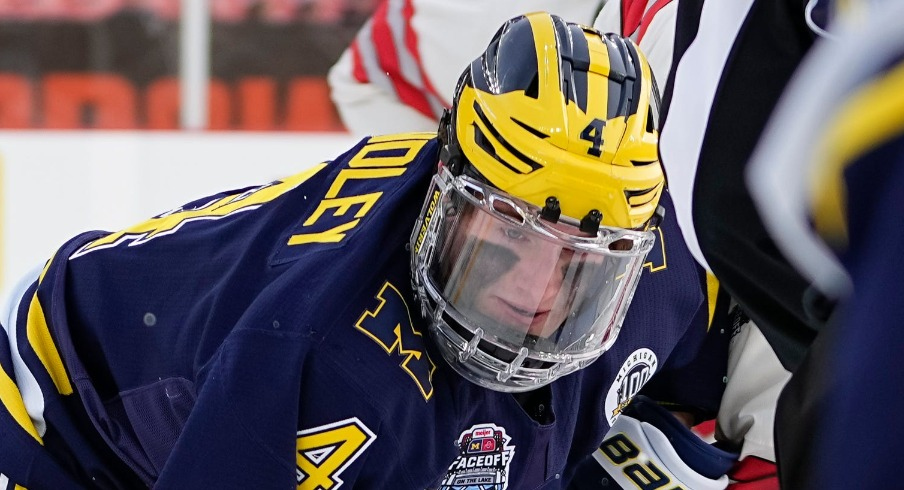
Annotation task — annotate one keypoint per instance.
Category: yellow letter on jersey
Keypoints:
(324, 452)
(225, 206)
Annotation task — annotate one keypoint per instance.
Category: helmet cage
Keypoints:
(492, 356)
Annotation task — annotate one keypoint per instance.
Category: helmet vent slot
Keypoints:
(641, 197)
(483, 142)
(622, 244)
(475, 193)
(489, 148)
(508, 210)
(534, 131)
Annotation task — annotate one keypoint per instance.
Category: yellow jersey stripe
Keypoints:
(12, 401)
(42, 342)
(402, 136)
(712, 294)
(868, 118)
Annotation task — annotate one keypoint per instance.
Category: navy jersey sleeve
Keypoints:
(22, 456)
(176, 352)
(840, 415)
(693, 378)
(868, 335)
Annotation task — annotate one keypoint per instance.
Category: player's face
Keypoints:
(516, 279)
(510, 295)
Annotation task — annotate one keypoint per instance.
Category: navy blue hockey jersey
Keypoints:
(269, 338)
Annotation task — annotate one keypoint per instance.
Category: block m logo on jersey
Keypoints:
(389, 325)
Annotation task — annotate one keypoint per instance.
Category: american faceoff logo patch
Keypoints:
(484, 456)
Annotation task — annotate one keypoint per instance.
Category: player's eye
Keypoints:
(514, 234)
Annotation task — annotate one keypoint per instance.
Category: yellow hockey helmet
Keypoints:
(574, 118)
(535, 228)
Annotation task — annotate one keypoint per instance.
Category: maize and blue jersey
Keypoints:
(839, 417)
(269, 338)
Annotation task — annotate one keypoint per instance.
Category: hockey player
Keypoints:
(828, 178)
(424, 311)
(400, 71)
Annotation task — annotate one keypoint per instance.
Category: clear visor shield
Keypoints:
(525, 282)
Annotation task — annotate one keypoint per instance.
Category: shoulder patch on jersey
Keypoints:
(322, 453)
(484, 455)
(637, 369)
